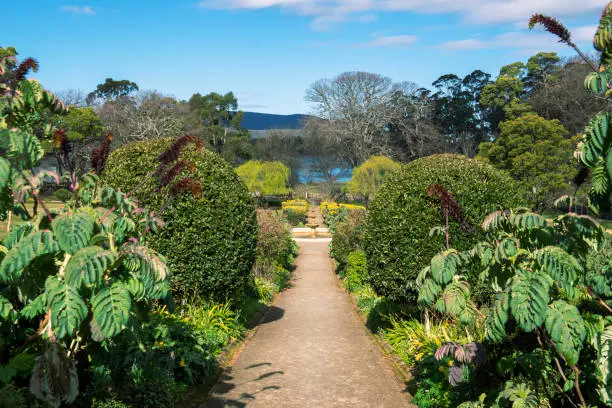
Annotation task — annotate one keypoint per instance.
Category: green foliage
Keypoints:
(414, 341)
(541, 282)
(64, 275)
(276, 251)
(265, 178)
(370, 175)
(504, 94)
(347, 238)
(25, 104)
(210, 241)
(595, 149)
(397, 241)
(566, 328)
(63, 195)
(520, 396)
(356, 271)
(537, 153)
(335, 213)
(154, 362)
(112, 89)
(81, 123)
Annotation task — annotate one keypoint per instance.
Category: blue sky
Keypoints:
(269, 51)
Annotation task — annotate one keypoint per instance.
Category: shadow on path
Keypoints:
(227, 383)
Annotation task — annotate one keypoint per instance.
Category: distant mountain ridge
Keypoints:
(266, 121)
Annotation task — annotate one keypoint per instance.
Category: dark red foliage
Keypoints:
(25, 67)
(450, 207)
(553, 26)
(169, 176)
(174, 151)
(100, 155)
(186, 185)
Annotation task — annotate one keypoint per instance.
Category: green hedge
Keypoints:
(210, 242)
(348, 237)
(397, 241)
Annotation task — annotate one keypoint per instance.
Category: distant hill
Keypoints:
(265, 121)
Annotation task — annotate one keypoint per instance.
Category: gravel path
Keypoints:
(311, 350)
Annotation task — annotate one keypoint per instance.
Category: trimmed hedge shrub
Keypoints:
(348, 237)
(210, 242)
(356, 271)
(397, 240)
(63, 195)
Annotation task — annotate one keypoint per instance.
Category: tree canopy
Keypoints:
(538, 153)
(370, 175)
(112, 89)
(265, 178)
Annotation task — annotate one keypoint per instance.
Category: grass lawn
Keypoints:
(51, 204)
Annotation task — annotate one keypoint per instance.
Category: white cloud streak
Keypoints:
(400, 41)
(523, 40)
(475, 11)
(86, 10)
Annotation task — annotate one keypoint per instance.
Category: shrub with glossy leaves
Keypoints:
(397, 238)
(210, 242)
(347, 238)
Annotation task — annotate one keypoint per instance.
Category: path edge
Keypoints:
(226, 359)
(402, 371)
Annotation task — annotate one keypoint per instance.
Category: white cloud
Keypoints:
(584, 34)
(461, 45)
(526, 41)
(78, 10)
(392, 41)
(477, 11)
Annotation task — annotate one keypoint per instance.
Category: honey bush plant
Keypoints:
(73, 278)
(547, 301)
(595, 149)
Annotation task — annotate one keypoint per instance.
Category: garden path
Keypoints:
(310, 350)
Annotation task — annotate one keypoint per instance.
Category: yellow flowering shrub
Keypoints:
(298, 206)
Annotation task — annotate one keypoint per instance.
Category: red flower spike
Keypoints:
(174, 151)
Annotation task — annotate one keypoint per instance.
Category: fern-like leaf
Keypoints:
(604, 365)
(528, 221)
(67, 308)
(151, 263)
(454, 299)
(34, 308)
(566, 328)
(111, 309)
(561, 266)
(506, 249)
(73, 231)
(88, 265)
(429, 292)
(529, 299)
(24, 150)
(444, 266)
(136, 288)
(18, 232)
(20, 256)
(495, 221)
(495, 322)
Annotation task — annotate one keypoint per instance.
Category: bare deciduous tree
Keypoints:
(367, 114)
(148, 115)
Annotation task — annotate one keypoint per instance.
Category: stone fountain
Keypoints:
(312, 222)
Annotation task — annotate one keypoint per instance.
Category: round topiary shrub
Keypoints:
(397, 241)
(210, 241)
(63, 195)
